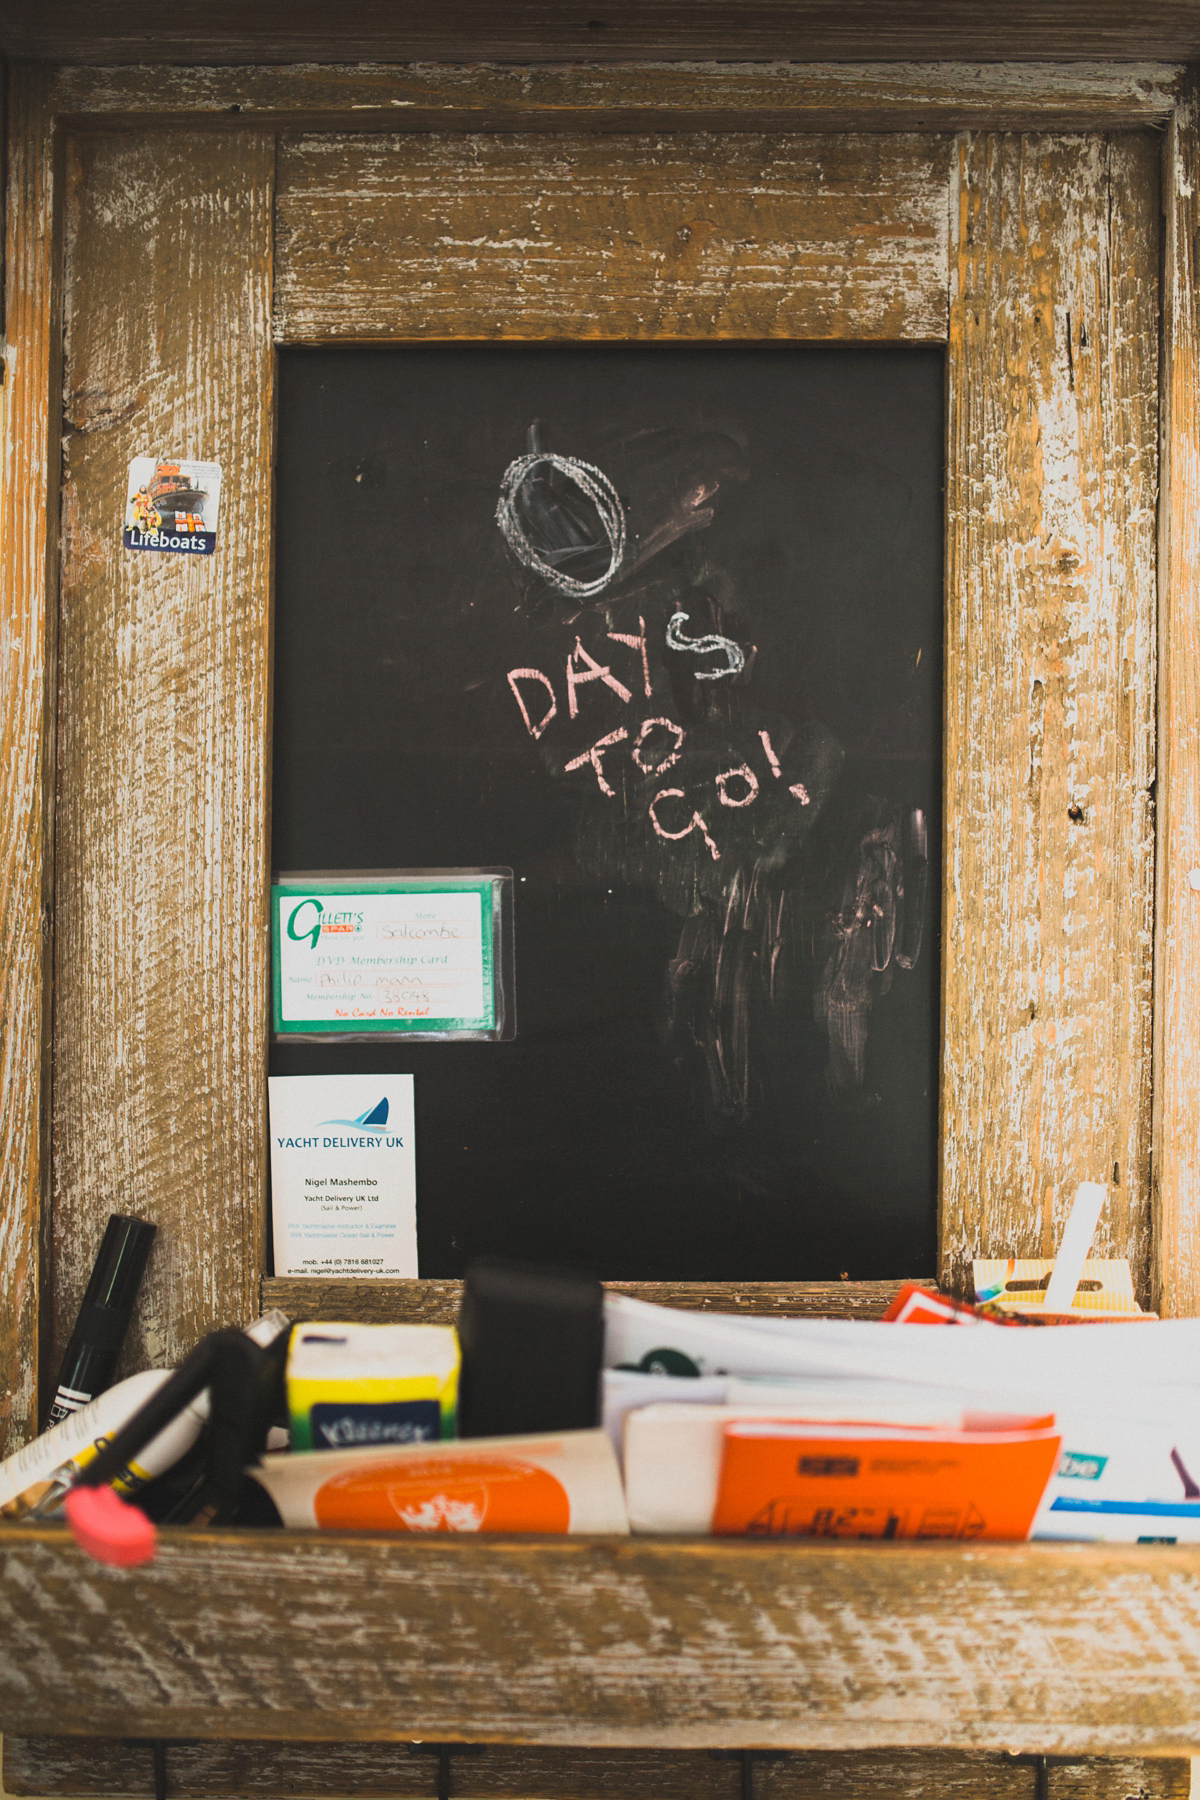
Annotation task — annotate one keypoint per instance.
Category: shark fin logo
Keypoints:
(374, 1119)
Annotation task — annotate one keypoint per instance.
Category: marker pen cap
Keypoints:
(108, 1301)
(532, 1347)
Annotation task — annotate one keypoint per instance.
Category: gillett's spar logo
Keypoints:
(308, 919)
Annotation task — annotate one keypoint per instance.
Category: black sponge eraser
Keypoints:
(532, 1343)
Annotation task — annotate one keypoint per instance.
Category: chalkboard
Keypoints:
(660, 629)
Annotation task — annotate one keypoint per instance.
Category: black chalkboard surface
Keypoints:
(659, 628)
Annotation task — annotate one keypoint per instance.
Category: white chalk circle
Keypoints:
(592, 482)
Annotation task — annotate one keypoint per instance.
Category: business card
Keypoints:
(343, 1175)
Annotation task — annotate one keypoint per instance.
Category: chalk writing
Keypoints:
(740, 773)
(743, 773)
(695, 823)
(515, 675)
(735, 660)
(594, 755)
(637, 641)
(672, 756)
(593, 672)
(796, 787)
(565, 523)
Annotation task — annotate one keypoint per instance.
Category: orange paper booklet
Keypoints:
(790, 1478)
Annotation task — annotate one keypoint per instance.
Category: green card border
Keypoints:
(488, 888)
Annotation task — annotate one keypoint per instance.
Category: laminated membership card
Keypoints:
(381, 956)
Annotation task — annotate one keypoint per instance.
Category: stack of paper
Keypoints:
(1126, 1405)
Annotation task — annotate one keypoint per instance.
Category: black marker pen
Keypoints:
(91, 1354)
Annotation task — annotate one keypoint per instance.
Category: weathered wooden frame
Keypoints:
(987, 1198)
(1086, 1650)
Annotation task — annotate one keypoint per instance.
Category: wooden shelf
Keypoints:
(432, 1302)
(609, 1643)
(237, 1768)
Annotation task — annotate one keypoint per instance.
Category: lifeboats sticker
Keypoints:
(172, 506)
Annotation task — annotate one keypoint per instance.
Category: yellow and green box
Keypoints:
(350, 1386)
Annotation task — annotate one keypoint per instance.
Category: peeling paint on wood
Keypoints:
(28, 564)
(160, 1037)
(774, 96)
(265, 1771)
(436, 1302)
(1177, 958)
(610, 1643)
(1050, 683)
(678, 237)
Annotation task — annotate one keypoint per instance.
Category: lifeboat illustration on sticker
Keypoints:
(172, 506)
(442, 1493)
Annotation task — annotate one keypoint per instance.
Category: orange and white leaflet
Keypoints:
(793, 1478)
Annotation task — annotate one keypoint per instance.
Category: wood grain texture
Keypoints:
(436, 1302)
(1050, 684)
(266, 1771)
(718, 97)
(1177, 951)
(549, 31)
(162, 786)
(681, 237)
(608, 1643)
(28, 576)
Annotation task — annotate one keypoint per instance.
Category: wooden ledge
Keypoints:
(431, 1302)
(657, 96)
(235, 1768)
(609, 1643)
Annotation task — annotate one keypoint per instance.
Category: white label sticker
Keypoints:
(343, 1175)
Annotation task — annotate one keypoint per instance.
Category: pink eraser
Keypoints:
(108, 1529)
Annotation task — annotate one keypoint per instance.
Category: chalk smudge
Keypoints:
(878, 928)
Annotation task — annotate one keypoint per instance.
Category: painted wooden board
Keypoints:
(28, 573)
(690, 97)
(437, 1302)
(544, 31)
(1177, 958)
(1050, 684)
(162, 834)
(517, 236)
(607, 1642)
(209, 1771)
